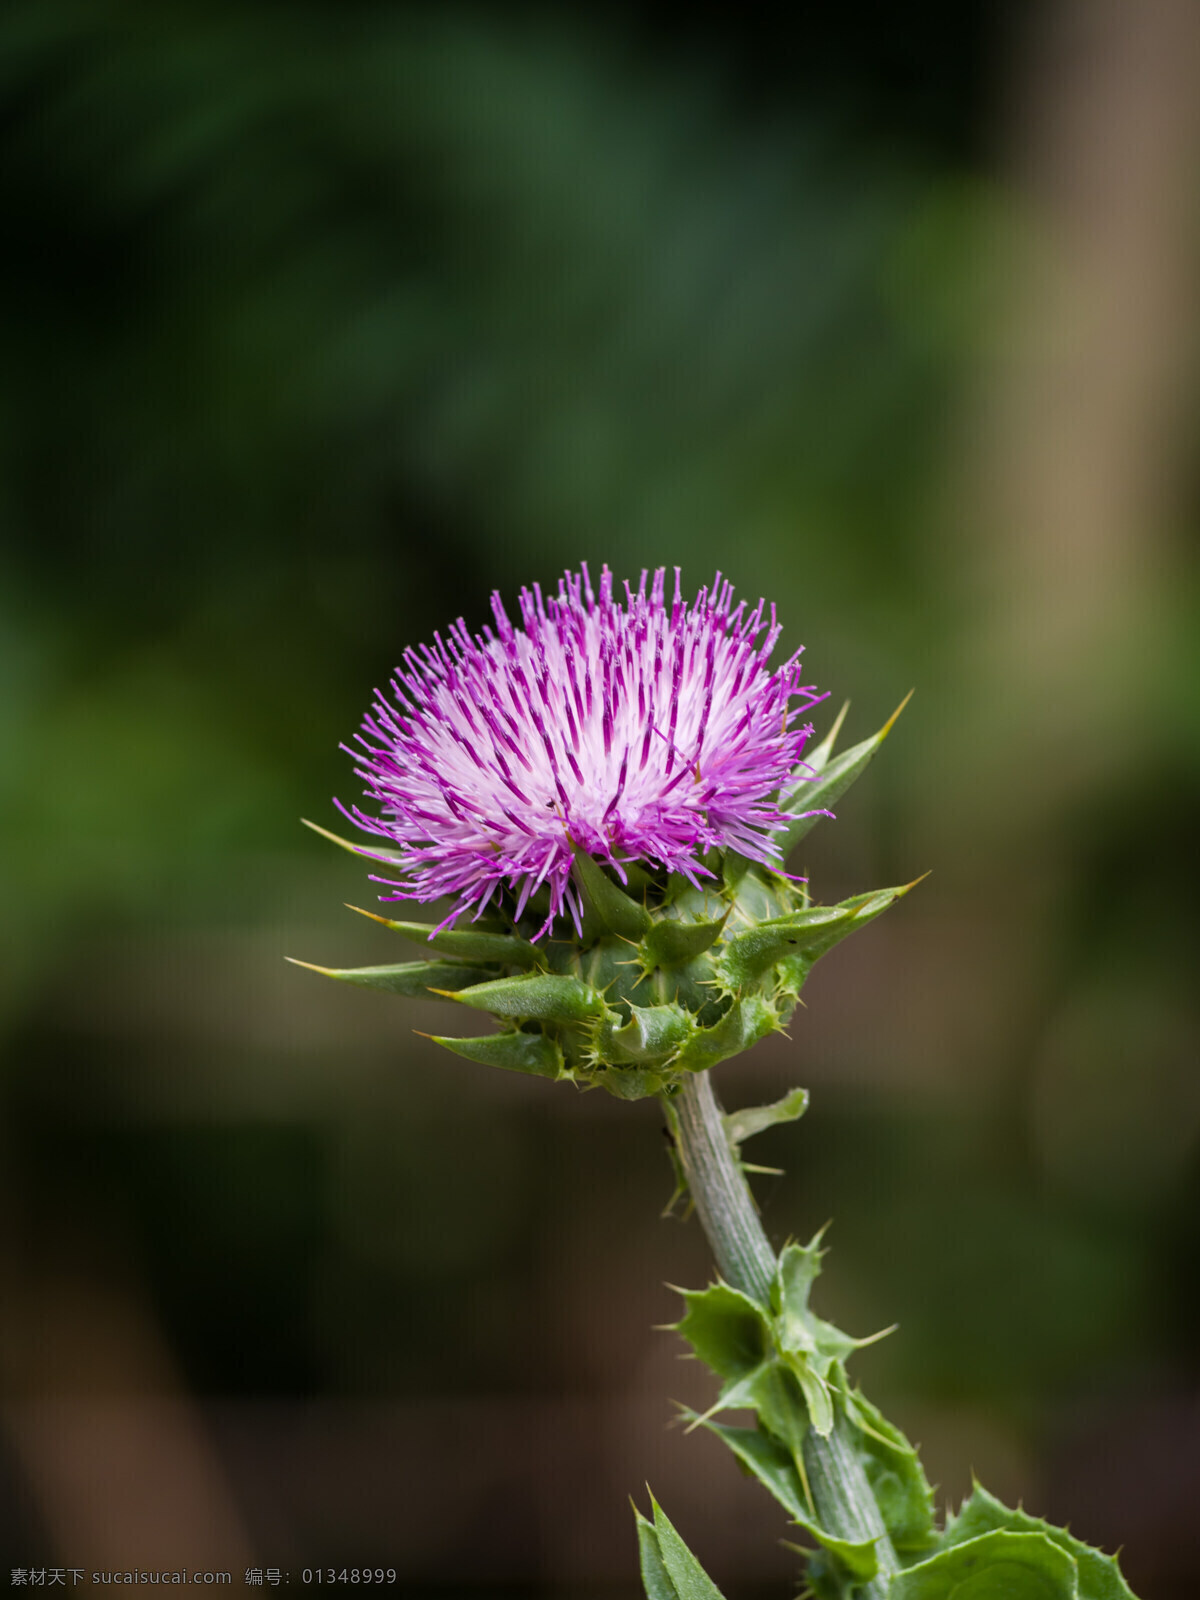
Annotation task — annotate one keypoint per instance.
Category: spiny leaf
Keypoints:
(415, 980)
(1099, 1575)
(518, 1052)
(471, 944)
(541, 997)
(744, 1124)
(689, 1578)
(996, 1566)
(819, 793)
(727, 1330)
(621, 915)
(895, 1474)
(798, 1269)
(655, 1579)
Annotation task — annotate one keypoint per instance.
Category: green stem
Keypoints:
(842, 1496)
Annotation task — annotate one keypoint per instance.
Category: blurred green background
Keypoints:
(319, 321)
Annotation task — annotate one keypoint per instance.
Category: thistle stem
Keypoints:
(842, 1496)
(720, 1193)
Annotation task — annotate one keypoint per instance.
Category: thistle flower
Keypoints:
(629, 763)
(634, 731)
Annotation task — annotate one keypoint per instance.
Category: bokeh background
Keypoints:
(318, 322)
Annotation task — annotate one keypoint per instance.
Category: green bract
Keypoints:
(664, 979)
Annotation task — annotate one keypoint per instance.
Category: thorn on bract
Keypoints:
(310, 966)
(891, 721)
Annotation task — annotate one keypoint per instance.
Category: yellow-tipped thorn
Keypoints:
(447, 994)
(891, 721)
(326, 972)
(364, 852)
(334, 838)
(374, 915)
(916, 881)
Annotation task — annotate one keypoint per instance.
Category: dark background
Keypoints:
(317, 322)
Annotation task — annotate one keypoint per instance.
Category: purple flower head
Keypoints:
(638, 730)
